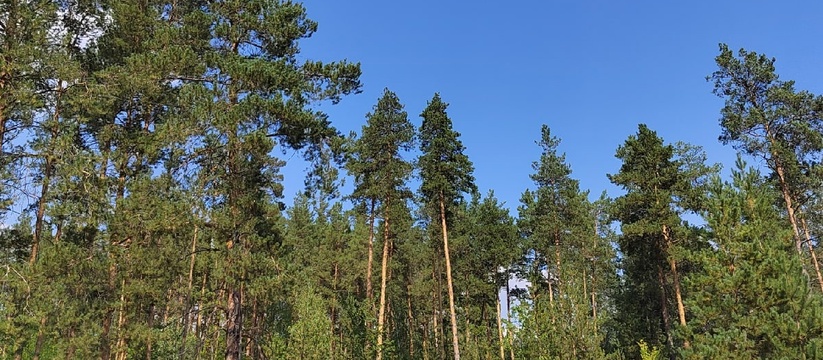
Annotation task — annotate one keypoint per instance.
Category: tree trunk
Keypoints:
(150, 324)
(189, 303)
(370, 264)
(435, 312)
(681, 309)
(784, 188)
(381, 317)
(47, 173)
(71, 348)
(664, 308)
(233, 324)
(449, 283)
(811, 251)
(500, 331)
(509, 333)
(105, 347)
(121, 351)
(411, 319)
(38, 344)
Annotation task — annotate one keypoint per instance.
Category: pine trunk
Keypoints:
(681, 309)
(233, 325)
(664, 307)
(411, 320)
(370, 263)
(500, 331)
(509, 333)
(120, 349)
(38, 344)
(449, 283)
(811, 251)
(381, 316)
(187, 320)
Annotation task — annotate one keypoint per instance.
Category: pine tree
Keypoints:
(487, 248)
(750, 299)
(376, 161)
(446, 173)
(660, 181)
(766, 117)
(556, 219)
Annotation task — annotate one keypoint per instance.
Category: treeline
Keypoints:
(140, 188)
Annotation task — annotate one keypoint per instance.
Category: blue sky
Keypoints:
(591, 70)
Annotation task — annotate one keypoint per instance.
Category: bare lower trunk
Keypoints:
(664, 307)
(811, 251)
(435, 315)
(681, 309)
(38, 344)
(381, 317)
(71, 348)
(105, 347)
(500, 331)
(150, 324)
(784, 190)
(509, 316)
(233, 325)
(187, 320)
(411, 320)
(120, 350)
(449, 283)
(41, 212)
(370, 264)
(47, 173)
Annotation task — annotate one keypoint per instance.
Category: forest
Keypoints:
(144, 213)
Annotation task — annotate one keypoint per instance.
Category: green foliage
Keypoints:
(141, 198)
(309, 336)
(646, 353)
(445, 170)
(750, 299)
(661, 182)
(567, 262)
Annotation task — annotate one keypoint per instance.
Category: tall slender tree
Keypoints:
(380, 174)
(557, 222)
(447, 174)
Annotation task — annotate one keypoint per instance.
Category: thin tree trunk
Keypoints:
(435, 315)
(811, 251)
(381, 319)
(38, 344)
(120, 352)
(189, 302)
(370, 264)
(233, 324)
(18, 353)
(105, 347)
(411, 319)
(681, 309)
(509, 315)
(44, 187)
(198, 327)
(71, 348)
(150, 324)
(425, 342)
(449, 283)
(664, 307)
(334, 314)
(439, 339)
(500, 331)
(784, 190)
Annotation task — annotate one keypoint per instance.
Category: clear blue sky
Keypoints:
(591, 70)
